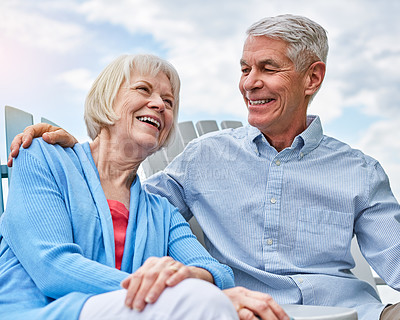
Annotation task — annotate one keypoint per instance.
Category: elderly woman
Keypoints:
(78, 225)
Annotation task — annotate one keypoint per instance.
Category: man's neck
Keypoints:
(284, 139)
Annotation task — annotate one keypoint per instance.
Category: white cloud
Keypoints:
(328, 100)
(80, 79)
(382, 141)
(33, 28)
(204, 41)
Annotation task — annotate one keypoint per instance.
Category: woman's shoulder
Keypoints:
(40, 147)
(45, 154)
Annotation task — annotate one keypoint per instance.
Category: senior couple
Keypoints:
(79, 225)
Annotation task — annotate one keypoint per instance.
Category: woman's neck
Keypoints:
(117, 171)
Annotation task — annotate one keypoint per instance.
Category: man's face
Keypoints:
(274, 92)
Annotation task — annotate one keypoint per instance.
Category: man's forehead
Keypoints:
(258, 43)
(263, 50)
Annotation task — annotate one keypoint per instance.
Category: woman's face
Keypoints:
(145, 107)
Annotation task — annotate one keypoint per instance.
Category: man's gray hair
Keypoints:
(307, 40)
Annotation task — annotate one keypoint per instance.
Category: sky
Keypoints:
(52, 50)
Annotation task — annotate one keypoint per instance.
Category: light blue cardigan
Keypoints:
(57, 241)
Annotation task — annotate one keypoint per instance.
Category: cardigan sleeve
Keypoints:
(184, 247)
(38, 229)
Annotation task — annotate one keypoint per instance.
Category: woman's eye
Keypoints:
(145, 89)
(168, 103)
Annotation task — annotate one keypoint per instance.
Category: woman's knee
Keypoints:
(190, 299)
(205, 299)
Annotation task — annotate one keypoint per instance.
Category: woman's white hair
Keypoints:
(307, 40)
(99, 111)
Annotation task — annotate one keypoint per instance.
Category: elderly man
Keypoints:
(279, 201)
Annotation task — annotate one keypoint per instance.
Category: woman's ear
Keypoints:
(315, 75)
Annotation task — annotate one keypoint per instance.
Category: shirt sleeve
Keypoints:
(378, 230)
(184, 247)
(38, 229)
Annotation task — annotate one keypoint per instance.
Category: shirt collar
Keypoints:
(305, 142)
(313, 135)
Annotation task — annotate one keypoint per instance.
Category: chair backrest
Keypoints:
(16, 121)
(3, 174)
(156, 162)
(45, 120)
(206, 126)
(174, 148)
(362, 270)
(231, 124)
(187, 132)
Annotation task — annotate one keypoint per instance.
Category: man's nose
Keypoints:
(252, 81)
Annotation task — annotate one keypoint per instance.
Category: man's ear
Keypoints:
(314, 77)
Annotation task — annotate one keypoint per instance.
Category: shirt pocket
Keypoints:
(322, 236)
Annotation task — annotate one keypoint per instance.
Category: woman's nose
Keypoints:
(157, 102)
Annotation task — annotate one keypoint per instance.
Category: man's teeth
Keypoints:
(150, 120)
(259, 101)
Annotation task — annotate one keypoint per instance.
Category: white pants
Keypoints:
(191, 299)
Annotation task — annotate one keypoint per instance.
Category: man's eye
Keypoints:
(245, 70)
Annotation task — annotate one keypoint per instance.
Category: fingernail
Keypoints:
(149, 299)
(128, 303)
(137, 308)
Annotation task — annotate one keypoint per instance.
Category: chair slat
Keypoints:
(16, 121)
(226, 124)
(206, 126)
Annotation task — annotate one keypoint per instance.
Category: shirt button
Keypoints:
(301, 154)
(278, 163)
(273, 200)
(270, 241)
(301, 280)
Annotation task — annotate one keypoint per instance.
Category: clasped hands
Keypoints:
(148, 282)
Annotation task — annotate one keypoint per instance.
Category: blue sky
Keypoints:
(51, 51)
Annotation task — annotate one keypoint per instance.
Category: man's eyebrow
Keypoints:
(269, 62)
(262, 63)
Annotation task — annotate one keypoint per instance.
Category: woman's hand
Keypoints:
(252, 305)
(149, 281)
(49, 133)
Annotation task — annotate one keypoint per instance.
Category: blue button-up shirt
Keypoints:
(284, 221)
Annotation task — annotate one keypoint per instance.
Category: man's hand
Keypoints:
(252, 305)
(49, 133)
